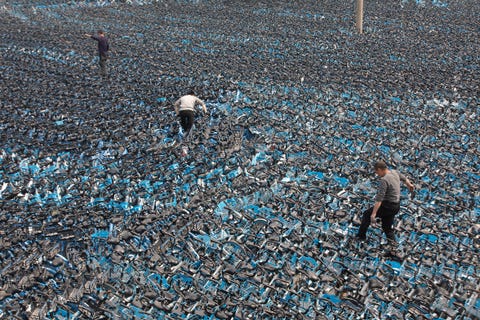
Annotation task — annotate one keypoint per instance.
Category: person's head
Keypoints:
(380, 168)
(100, 32)
(191, 92)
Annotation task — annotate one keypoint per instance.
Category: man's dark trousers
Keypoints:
(386, 213)
(103, 64)
(186, 120)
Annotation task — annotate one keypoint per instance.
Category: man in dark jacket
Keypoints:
(103, 48)
(387, 201)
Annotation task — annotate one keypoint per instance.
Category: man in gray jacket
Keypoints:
(387, 201)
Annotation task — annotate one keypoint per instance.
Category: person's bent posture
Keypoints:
(185, 109)
(387, 201)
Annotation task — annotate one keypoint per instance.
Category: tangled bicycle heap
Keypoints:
(103, 218)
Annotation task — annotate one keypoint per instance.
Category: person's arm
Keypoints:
(382, 189)
(94, 37)
(200, 102)
(407, 182)
(176, 105)
(376, 206)
(410, 185)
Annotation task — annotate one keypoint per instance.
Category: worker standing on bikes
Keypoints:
(387, 201)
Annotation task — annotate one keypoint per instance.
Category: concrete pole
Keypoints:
(359, 16)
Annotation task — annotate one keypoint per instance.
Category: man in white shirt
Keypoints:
(185, 109)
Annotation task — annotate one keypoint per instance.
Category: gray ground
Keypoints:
(103, 217)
